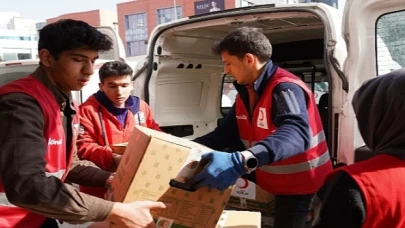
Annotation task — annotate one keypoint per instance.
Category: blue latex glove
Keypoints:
(222, 171)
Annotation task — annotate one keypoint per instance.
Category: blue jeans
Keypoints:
(291, 211)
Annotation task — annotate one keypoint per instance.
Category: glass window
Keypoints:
(168, 14)
(135, 48)
(390, 42)
(136, 34)
(23, 56)
(229, 93)
(26, 38)
(9, 56)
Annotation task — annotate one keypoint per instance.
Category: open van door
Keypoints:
(372, 30)
(118, 51)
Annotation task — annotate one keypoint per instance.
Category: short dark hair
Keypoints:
(69, 34)
(114, 68)
(243, 40)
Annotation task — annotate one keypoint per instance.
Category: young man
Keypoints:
(39, 125)
(370, 193)
(274, 123)
(109, 117)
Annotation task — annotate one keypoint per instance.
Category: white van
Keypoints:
(183, 80)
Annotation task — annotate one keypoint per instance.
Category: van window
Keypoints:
(320, 88)
(390, 42)
(319, 79)
(228, 94)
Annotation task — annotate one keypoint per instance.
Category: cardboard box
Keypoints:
(119, 148)
(228, 219)
(150, 161)
(247, 195)
(240, 219)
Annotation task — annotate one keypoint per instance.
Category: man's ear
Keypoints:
(250, 59)
(45, 57)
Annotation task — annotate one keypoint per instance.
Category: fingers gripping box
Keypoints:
(151, 160)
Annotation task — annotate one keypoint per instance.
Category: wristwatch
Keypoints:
(250, 161)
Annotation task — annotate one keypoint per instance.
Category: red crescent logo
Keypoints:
(245, 185)
(261, 115)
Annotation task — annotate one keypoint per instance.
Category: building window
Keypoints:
(23, 38)
(136, 34)
(9, 56)
(23, 56)
(135, 48)
(168, 14)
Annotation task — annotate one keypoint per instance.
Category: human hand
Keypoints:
(135, 214)
(222, 171)
(117, 159)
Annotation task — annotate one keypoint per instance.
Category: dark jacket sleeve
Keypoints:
(86, 173)
(22, 167)
(225, 136)
(339, 203)
(290, 115)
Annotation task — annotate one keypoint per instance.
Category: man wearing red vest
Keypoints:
(275, 127)
(109, 117)
(370, 194)
(39, 125)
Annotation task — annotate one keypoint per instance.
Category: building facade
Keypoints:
(18, 44)
(138, 18)
(18, 37)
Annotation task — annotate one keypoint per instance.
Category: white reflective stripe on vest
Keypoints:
(57, 174)
(299, 167)
(3, 198)
(320, 137)
(4, 201)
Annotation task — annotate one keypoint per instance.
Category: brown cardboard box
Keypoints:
(247, 195)
(228, 219)
(150, 161)
(239, 219)
(119, 148)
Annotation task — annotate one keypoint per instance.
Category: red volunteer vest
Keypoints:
(56, 157)
(301, 174)
(381, 180)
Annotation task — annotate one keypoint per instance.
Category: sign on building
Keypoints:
(208, 6)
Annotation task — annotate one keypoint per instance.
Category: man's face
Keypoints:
(239, 69)
(117, 89)
(214, 4)
(72, 70)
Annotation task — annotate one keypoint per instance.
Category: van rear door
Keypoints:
(373, 31)
(118, 51)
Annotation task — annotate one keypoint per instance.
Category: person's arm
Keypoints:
(339, 203)
(225, 135)
(290, 115)
(292, 137)
(88, 147)
(22, 167)
(86, 173)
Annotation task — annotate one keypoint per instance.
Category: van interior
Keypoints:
(188, 88)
